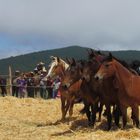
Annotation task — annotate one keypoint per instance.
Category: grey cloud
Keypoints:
(93, 23)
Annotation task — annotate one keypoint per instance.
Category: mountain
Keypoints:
(28, 62)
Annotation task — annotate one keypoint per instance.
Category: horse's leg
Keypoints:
(100, 111)
(109, 116)
(71, 108)
(71, 105)
(83, 110)
(88, 113)
(132, 117)
(67, 107)
(94, 109)
(117, 114)
(124, 114)
(63, 100)
(135, 115)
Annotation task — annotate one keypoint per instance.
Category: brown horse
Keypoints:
(59, 67)
(105, 91)
(94, 92)
(127, 84)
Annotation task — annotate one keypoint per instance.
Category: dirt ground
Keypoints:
(38, 119)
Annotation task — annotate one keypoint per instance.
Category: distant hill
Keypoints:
(28, 62)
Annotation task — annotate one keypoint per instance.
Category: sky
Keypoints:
(33, 25)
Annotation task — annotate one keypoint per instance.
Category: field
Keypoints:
(37, 119)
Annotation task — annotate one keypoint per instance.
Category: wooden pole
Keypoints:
(10, 80)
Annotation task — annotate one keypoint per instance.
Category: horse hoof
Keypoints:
(63, 119)
(118, 126)
(90, 124)
(99, 120)
(137, 126)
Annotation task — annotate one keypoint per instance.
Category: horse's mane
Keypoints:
(122, 62)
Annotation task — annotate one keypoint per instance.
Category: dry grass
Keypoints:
(37, 119)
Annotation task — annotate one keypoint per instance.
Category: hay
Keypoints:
(37, 119)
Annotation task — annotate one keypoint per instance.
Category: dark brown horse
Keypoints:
(127, 84)
(87, 93)
(103, 93)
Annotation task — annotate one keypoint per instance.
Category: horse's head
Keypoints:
(72, 74)
(57, 67)
(97, 55)
(107, 69)
(89, 69)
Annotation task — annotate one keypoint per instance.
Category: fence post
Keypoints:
(10, 80)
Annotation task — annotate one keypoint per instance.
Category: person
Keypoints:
(22, 84)
(49, 83)
(43, 91)
(15, 80)
(35, 71)
(31, 85)
(3, 83)
(56, 85)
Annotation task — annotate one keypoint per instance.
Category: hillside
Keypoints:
(28, 62)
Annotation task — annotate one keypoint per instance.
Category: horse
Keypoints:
(87, 89)
(127, 84)
(58, 67)
(96, 93)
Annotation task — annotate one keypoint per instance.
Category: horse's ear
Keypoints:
(88, 51)
(58, 59)
(73, 62)
(81, 70)
(52, 57)
(93, 52)
(68, 61)
(82, 62)
(110, 56)
(99, 52)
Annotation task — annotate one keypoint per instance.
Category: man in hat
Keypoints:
(15, 87)
(43, 90)
(31, 85)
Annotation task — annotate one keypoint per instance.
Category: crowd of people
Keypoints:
(32, 84)
(27, 86)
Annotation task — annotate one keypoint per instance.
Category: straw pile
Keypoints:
(37, 119)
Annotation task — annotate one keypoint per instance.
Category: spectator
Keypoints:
(15, 88)
(43, 90)
(3, 83)
(56, 85)
(49, 83)
(31, 85)
(22, 86)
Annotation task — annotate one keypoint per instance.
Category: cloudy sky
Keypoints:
(32, 25)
